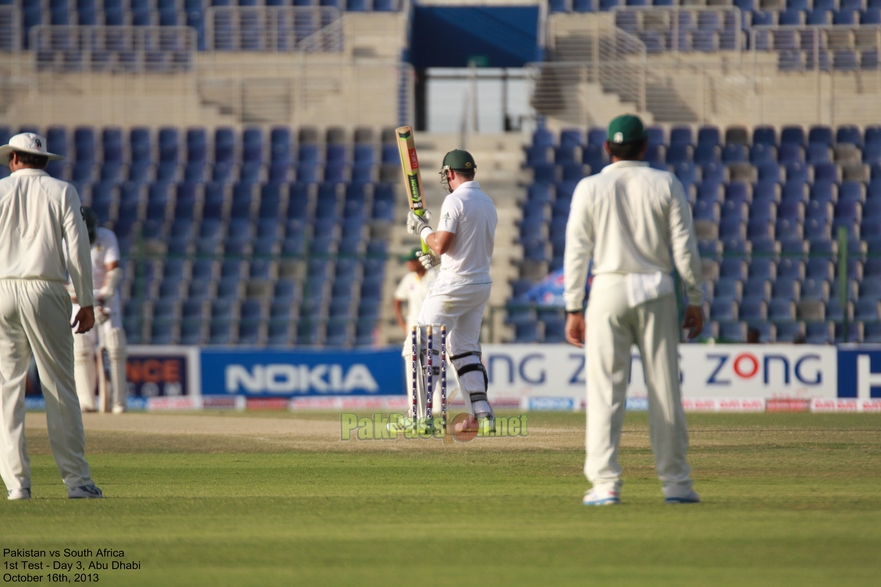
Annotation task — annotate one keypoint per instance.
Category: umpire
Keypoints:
(39, 215)
(628, 219)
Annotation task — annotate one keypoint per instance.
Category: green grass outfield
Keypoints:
(268, 498)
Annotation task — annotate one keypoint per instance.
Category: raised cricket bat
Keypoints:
(412, 176)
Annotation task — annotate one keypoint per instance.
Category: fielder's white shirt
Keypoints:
(627, 218)
(413, 289)
(471, 216)
(40, 220)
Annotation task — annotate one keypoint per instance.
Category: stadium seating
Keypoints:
(768, 243)
(240, 255)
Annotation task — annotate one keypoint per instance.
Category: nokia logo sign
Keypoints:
(288, 378)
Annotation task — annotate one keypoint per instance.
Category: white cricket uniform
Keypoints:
(39, 216)
(459, 295)
(105, 250)
(413, 290)
(628, 218)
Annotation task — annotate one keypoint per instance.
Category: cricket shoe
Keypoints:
(691, 497)
(487, 424)
(89, 491)
(118, 409)
(17, 494)
(598, 497)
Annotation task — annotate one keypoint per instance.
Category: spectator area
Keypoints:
(768, 204)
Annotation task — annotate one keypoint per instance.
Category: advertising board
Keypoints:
(719, 372)
(294, 373)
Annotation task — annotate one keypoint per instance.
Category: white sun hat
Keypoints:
(27, 142)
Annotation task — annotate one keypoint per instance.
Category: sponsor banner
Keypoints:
(266, 403)
(846, 405)
(637, 404)
(833, 405)
(292, 373)
(357, 403)
(35, 402)
(163, 404)
(723, 404)
(869, 405)
(162, 371)
(549, 404)
(706, 371)
(699, 404)
(224, 402)
(136, 404)
(859, 371)
(785, 404)
(740, 405)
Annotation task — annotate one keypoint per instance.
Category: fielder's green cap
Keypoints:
(412, 255)
(459, 160)
(625, 129)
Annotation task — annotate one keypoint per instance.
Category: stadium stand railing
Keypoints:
(10, 29)
(113, 49)
(683, 28)
(273, 29)
(820, 48)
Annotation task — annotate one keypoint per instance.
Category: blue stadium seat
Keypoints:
(713, 172)
(848, 134)
(781, 309)
(870, 16)
(817, 153)
(757, 288)
(680, 135)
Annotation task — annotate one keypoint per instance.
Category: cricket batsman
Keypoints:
(464, 242)
(106, 276)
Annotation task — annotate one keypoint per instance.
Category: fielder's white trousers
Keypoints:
(612, 328)
(34, 318)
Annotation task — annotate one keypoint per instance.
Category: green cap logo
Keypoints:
(625, 129)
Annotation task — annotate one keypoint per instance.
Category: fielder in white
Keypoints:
(39, 217)
(628, 218)
(106, 276)
(464, 241)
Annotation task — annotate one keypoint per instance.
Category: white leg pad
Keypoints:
(473, 385)
(84, 370)
(114, 341)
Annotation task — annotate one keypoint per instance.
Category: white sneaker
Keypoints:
(118, 409)
(692, 497)
(16, 494)
(89, 491)
(598, 497)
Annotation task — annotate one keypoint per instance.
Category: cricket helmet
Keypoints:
(459, 160)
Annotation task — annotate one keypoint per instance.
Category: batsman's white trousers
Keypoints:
(34, 318)
(612, 328)
(460, 308)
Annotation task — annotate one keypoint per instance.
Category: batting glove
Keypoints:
(101, 314)
(428, 260)
(416, 223)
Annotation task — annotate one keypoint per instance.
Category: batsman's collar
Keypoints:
(27, 142)
(626, 129)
